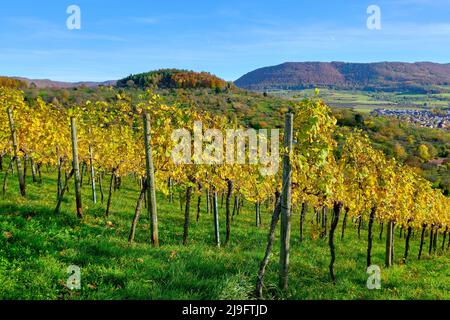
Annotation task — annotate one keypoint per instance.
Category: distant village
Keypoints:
(423, 118)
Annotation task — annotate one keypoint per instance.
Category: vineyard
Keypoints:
(339, 204)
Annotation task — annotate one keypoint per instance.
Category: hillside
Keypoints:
(417, 77)
(420, 77)
(171, 79)
(47, 83)
(195, 252)
(36, 247)
(12, 83)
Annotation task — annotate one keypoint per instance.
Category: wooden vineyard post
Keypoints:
(228, 210)
(59, 163)
(302, 219)
(33, 170)
(15, 153)
(76, 167)
(258, 214)
(110, 191)
(100, 184)
(91, 163)
(186, 215)
(215, 206)
(390, 244)
(370, 236)
(286, 202)
(151, 191)
(208, 200)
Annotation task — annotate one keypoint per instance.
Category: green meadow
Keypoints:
(37, 246)
(366, 102)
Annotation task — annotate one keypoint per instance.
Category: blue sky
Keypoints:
(228, 38)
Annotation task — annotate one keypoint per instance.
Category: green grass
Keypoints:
(366, 102)
(37, 246)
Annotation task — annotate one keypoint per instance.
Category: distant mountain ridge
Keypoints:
(419, 77)
(386, 76)
(46, 83)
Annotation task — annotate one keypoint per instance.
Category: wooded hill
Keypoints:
(171, 79)
(421, 77)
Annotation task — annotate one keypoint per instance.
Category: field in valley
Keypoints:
(366, 102)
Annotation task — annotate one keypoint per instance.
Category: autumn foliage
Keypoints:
(173, 78)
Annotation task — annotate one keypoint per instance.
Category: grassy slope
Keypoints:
(35, 255)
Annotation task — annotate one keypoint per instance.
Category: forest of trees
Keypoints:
(12, 83)
(421, 77)
(173, 78)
